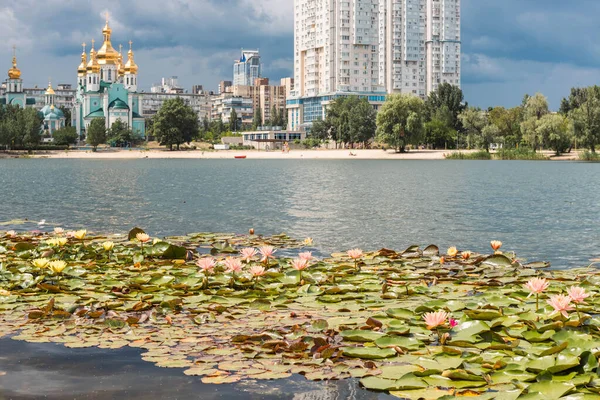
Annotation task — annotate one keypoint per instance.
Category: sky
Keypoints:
(510, 47)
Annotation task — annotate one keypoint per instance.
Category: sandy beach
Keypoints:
(262, 155)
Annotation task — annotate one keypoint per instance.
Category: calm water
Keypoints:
(542, 210)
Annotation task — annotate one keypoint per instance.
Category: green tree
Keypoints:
(362, 121)
(233, 120)
(554, 131)
(534, 108)
(576, 98)
(474, 121)
(586, 121)
(176, 123)
(257, 120)
(446, 96)
(400, 121)
(30, 127)
(508, 122)
(96, 133)
(67, 113)
(65, 136)
(121, 135)
(319, 130)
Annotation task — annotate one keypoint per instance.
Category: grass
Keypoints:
(589, 156)
(479, 155)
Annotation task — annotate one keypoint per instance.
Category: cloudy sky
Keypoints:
(510, 47)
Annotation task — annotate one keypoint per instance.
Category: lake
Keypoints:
(542, 210)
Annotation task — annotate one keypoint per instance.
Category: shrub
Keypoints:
(479, 155)
(589, 156)
(519, 154)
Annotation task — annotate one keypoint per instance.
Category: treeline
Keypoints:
(445, 121)
(19, 128)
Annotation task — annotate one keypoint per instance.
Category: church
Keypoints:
(108, 88)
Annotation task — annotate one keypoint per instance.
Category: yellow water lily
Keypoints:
(80, 234)
(308, 241)
(57, 266)
(4, 292)
(52, 242)
(40, 262)
(61, 241)
(108, 246)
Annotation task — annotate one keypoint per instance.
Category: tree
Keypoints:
(400, 121)
(576, 98)
(65, 136)
(508, 122)
(449, 96)
(474, 121)
(175, 123)
(553, 129)
(363, 122)
(96, 133)
(534, 108)
(233, 121)
(67, 113)
(120, 135)
(31, 127)
(586, 121)
(319, 130)
(257, 120)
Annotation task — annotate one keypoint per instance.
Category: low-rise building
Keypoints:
(225, 103)
(200, 103)
(271, 138)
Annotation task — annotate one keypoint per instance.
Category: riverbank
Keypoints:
(256, 154)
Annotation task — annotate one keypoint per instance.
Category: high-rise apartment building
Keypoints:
(370, 48)
(247, 69)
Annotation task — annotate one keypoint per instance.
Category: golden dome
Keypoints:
(14, 72)
(121, 65)
(131, 67)
(50, 90)
(93, 66)
(81, 69)
(107, 54)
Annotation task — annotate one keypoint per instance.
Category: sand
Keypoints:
(254, 154)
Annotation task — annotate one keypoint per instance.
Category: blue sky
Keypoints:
(510, 47)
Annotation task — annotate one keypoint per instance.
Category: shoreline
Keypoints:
(257, 155)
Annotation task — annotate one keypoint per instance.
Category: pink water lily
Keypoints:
(435, 319)
(561, 303)
(267, 252)
(496, 244)
(355, 254)
(537, 285)
(452, 322)
(299, 264)
(233, 265)
(307, 255)
(207, 265)
(11, 234)
(257, 271)
(577, 294)
(248, 253)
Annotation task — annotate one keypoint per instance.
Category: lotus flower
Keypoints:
(80, 235)
(57, 266)
(561, 304)
(496, 244)
(207, 265)
(537, 285)
(233, 265)
(435, 319)
(40, 262)
(108, 246)
(257, 271)
(466, 255)
(266, 252)
(452, 252)
(577, 294)
(142, 237)
(11, 234)
(248, 253)
(308, 241)
(307, 255)
(58, 231)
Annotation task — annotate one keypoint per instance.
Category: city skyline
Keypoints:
(508, 49)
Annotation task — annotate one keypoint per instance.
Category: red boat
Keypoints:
(239, 156)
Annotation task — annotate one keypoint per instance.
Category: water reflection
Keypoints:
(53, 372)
